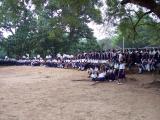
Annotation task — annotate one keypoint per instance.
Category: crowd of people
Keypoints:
(109, 65)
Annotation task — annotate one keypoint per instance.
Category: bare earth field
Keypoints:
(39, 93)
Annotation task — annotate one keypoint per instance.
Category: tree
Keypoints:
(146, 32)
(105, 43)
(51, 26)
(152, 5)
(134, 22)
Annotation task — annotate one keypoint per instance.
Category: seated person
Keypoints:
(90, 71)
(96, 69)
(101, 76)
(94, 76)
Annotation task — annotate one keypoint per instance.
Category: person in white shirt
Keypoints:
(96, 69)
(116, 67)
(101, 76)
(121, 72)
(94, 76)
(6, 58)
(120, 57)
(90, 71)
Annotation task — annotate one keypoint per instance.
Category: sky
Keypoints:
(5, 33)
(100, 30)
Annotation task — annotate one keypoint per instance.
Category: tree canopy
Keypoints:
(152, 5)
(136, 24)
(47, 26)
(52, 26)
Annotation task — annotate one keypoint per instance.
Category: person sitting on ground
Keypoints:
(90, 71)
(94, 76)
(95, 73)
(101, 76)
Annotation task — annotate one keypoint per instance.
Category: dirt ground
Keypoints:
(39, 93)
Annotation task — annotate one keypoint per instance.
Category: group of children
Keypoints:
(148, 65)
(107, 65)
(108, 72)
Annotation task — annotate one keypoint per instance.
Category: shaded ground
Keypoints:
(39, 93)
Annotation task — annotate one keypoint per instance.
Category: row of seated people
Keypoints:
(145, 59)
(144, 65)
(67, 63)
(11, 62)
(97, 70)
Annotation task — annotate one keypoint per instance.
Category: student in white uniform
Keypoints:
(96, 69)
(90, 71)
(94, 76)
(101, 76)
(116, 68)
(121, 72)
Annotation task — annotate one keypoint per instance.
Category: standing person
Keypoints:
(121, 72)
(120, 57)
(116, 68)
(111, 74)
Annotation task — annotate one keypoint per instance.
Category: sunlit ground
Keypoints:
(39, 93)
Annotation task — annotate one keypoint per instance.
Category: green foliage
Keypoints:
(2, 51)
(135, 26)
(105, 43)
(61, 26)
(85, 45)
(144, 34)
(53, 26)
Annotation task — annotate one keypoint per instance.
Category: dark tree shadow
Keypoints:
(89, 80)
(83, 80)
(98, 82)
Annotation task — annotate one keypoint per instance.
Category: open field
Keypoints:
(39, 93)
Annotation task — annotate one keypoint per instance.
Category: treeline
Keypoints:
(51, 26)
(135, 24)
(48, 27)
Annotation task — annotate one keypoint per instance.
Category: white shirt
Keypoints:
(116, 66)
(122, 66)
(49, 56)
(96, 69)
(120, 57)
(93, 75)
(38, 56)
(6, 57)
(102, 75)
